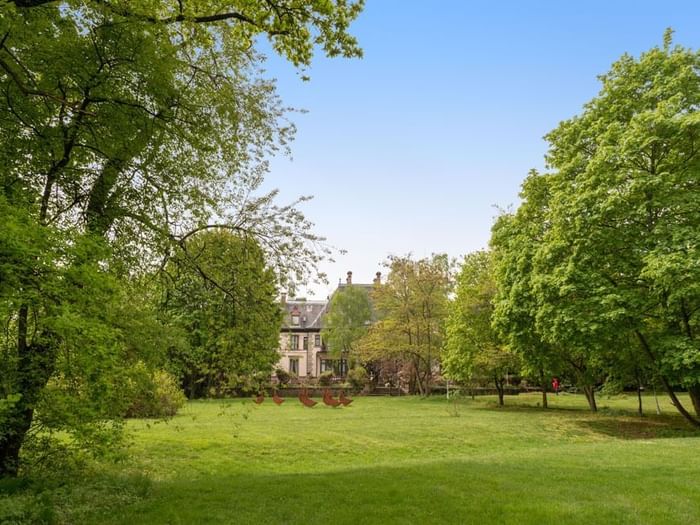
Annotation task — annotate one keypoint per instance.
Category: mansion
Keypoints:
(302, 351)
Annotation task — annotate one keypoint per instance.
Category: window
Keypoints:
(306, 343)
(317, 340)
(294, 343)
(339, 367)
(294, 365)
(295, 318)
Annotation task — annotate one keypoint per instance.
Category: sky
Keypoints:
(417, 146)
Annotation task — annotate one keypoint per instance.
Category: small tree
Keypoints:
(348, 318)
(473, 347)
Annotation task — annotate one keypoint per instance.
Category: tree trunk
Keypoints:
(656, 399)
(667, 385)
(499, 388)
(544, 394)
(694, 393)
(19, 419)
(640, 410)
(428, 382)
(590, 397)
(35, 364)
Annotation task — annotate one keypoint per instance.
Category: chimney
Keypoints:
(349, 278)
(378, 278)
(283, 298)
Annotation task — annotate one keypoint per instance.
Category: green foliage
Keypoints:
(411, 309)
(223, 295)
(347, 320)
(358, 378)
(128, 127)
(469, 323)
(326, 378)
(473, 348)
(601, 259)
(282, 376)
(153, 394)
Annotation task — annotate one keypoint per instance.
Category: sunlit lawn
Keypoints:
(402, 460)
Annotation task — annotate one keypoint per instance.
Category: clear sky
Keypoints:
(413, 147)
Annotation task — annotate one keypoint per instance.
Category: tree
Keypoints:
(473, 348)
(514, 241)
(346, 323)
(617, 262)
(127, 128)
(347, 320)
(411, 310)
(226, 304)
(628, 171)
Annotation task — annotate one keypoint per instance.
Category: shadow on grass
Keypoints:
(58, 498)
(523, 490)
(612, 422)
(548, 485)
(635, 427)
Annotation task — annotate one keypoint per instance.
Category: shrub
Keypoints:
(155, 394)
(326, 378)
(358, 378)
(282, 376)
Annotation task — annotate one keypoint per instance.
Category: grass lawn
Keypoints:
(396, 460)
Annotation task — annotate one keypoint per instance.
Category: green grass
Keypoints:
(398, 460)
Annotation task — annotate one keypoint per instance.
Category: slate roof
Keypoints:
(310, 314)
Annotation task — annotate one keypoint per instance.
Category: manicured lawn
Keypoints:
(400, 460)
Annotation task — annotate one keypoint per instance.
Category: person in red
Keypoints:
(555, 385)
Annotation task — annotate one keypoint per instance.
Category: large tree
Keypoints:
(225, 299)
(127, 127)
(515, 240)
(618, 261)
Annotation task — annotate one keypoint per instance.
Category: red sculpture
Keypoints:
(277, 399)
(259, 399)
(305, 399)
(328, 399)
(344, 400)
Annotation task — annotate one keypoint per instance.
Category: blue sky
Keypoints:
(413, 147)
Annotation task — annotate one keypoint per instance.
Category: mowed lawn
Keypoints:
(405, 460)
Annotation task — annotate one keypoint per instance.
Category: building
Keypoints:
(300, 337)
(302, 351)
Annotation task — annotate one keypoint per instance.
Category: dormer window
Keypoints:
(295, 317)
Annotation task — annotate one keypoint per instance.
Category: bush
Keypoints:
(282, 376)
(326, 378)
(358, 378)
(155, 394)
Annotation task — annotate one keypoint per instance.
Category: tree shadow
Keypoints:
(482, 490)
(612, 422)
(634, 427)
(512, 405)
